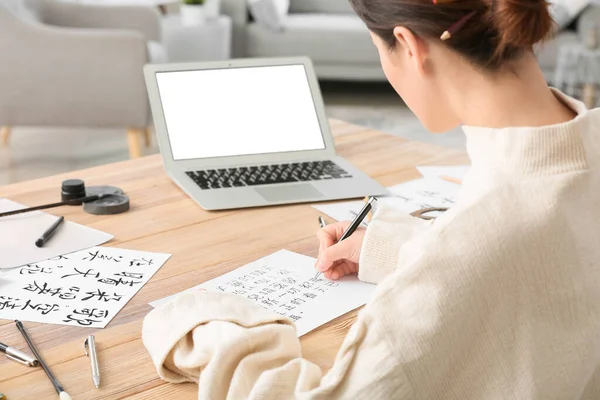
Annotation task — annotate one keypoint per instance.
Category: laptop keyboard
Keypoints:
(267, 175)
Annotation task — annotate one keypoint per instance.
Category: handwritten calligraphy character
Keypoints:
(71, 294)
(97, 255)
(100, 295)
(44, 309)
(43, 289)
(32, 269)
(134, 279)
(140, 262)
(306, 285)
(297, 301)
(89, 272)
(86, 316)
(287, 307)
(9, 303)
(289, 280)
(278, 286)
(269, 302)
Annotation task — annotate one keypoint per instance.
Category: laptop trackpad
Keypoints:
(290, 193)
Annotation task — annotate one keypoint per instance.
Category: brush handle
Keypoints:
(53, 205)
(55, 383)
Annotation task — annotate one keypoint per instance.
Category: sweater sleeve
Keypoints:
(235, 349)
(389, 230)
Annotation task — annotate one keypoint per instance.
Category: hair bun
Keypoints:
(521, 23)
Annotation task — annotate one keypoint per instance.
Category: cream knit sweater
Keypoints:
(497, 299)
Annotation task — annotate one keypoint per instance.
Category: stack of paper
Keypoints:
(407, 197)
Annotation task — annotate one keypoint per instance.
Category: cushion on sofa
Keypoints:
(269, 13)
(326, 38)
(321, 6)
(565, 11)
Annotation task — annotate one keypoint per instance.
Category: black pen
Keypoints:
(355, 224)
(62, 395)
(49, 233)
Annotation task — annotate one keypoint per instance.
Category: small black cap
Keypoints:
(72, 189)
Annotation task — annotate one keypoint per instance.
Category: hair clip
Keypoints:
(457, 26)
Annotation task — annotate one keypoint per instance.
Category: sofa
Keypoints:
(337, 41)
(327, 31)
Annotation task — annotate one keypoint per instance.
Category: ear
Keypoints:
(413, 47)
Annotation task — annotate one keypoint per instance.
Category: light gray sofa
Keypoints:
(73, 65)
(327, 31)
(337, 41)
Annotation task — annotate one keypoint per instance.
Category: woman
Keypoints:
(497, 299)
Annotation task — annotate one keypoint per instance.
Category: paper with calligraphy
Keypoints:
(284, 282)
(87, 288)
(406, 197)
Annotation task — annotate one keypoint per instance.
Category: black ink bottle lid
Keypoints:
(72, 189)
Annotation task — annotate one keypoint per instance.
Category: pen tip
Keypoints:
(64, 396)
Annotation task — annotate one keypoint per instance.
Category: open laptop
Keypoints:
(249, 133)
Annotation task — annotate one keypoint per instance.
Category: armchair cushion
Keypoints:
(145, 20)
(53, 76)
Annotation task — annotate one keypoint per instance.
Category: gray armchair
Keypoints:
(73, 65)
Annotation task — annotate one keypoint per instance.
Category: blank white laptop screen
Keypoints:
(239, 111)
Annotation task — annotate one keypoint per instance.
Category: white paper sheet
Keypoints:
(87, 288)
(18, 234)
(283, 282)
(456, 172)
(407, 197)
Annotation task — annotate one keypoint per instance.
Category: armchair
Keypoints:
(73, 65)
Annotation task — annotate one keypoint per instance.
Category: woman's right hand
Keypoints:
(337, 260)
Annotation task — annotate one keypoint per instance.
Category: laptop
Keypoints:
(249, 133)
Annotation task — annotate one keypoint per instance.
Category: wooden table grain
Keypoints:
(204, 245)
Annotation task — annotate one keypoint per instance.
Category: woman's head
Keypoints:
(419, 64)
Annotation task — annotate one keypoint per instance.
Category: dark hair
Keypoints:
(499, 32)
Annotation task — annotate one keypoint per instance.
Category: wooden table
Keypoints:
(204, 245)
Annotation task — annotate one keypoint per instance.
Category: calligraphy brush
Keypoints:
(73, 202)
(62, 395)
